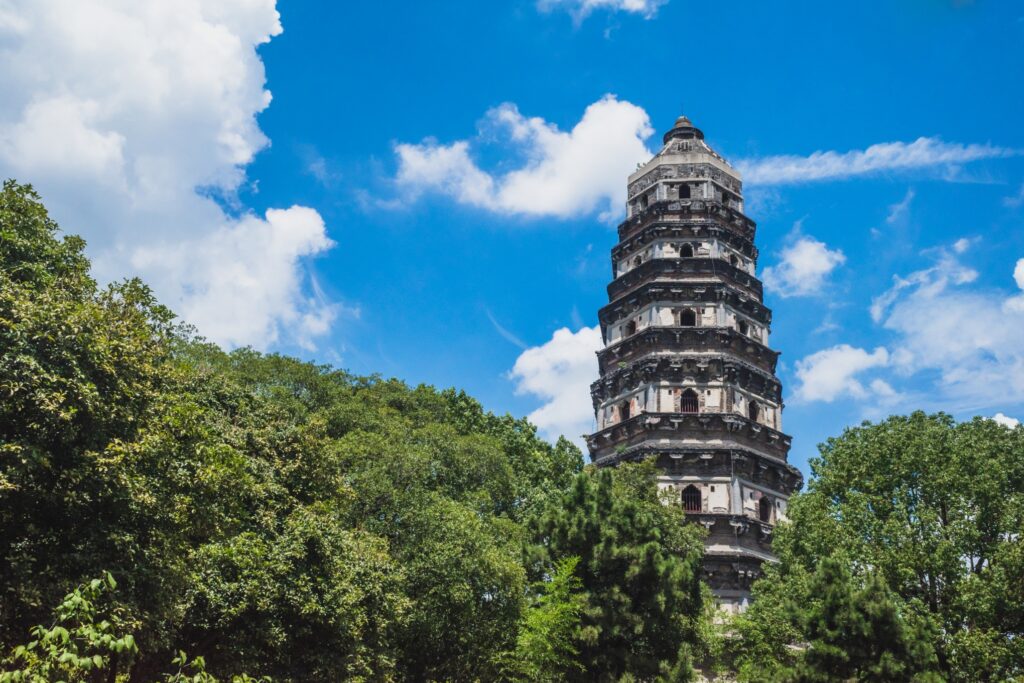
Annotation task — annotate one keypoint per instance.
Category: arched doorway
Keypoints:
(764, 509)
(686, 251)
(691, 499)
(753, 411)
(687, 318)
(688, 402)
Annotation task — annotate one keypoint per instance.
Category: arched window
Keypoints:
(764, 509)
(691, 499)
(684, 191)
(686, 251)
(688, 402)
(735, 261)
(743, 327)
(629, 329)
(687, 318)
(624, 411)
(753, 411)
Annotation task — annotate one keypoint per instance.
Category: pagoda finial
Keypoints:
(683, 128)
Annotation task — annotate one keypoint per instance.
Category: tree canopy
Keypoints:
(292, 520)
(925, 512)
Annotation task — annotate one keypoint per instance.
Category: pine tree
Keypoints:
(858, 633)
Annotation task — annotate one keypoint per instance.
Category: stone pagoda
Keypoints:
(687, 377)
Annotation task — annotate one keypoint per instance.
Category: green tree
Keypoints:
(640, 571)
(75, 647)
(857, 633)
(78, 648)
(936, 510)
(545, 649)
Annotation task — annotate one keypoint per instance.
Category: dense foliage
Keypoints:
(922, 517)
(291, 520)
(639, 566)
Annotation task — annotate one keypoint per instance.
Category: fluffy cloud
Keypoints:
(971, 338)
(581, 8)
(831, 373)
(130, 118)
(559, 372)
(804, 265)
(564, 173)
(250, 263)
(885, 156)
(1005, 420)
(1016, 303)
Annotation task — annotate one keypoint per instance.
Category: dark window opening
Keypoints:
(688, 402)
(637, 261)
(735, 261)
(687, 318)
(764, 509)
(686, 251)
(629, 328)
(743, 327)
(753, 411)
(691, 499)
(643, 202)
(684, 191)
(624, 411)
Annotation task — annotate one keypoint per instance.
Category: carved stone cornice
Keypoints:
(696, 229)
(678, 269)
(667, 431)
(702, 370)
(685, 209)
(684, 293)
(684, 172)
(731, 573)
(763, 470)
(656, 340)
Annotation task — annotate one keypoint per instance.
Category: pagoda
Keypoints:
(686, 374)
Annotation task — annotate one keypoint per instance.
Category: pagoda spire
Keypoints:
(687, 376)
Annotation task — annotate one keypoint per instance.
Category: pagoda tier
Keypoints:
(686, 374)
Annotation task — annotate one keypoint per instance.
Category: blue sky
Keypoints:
(431, 193)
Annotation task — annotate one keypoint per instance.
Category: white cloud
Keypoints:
(581, 8)
(1016, 200)
(559, 372)
(1005, 420)
(831, 373)
(128, 117)
(503, 331)
(972, 339)
(885, 156)
(804, 266)
(898, 212)
(564, 174)
(252, 264)
(1015, 304)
